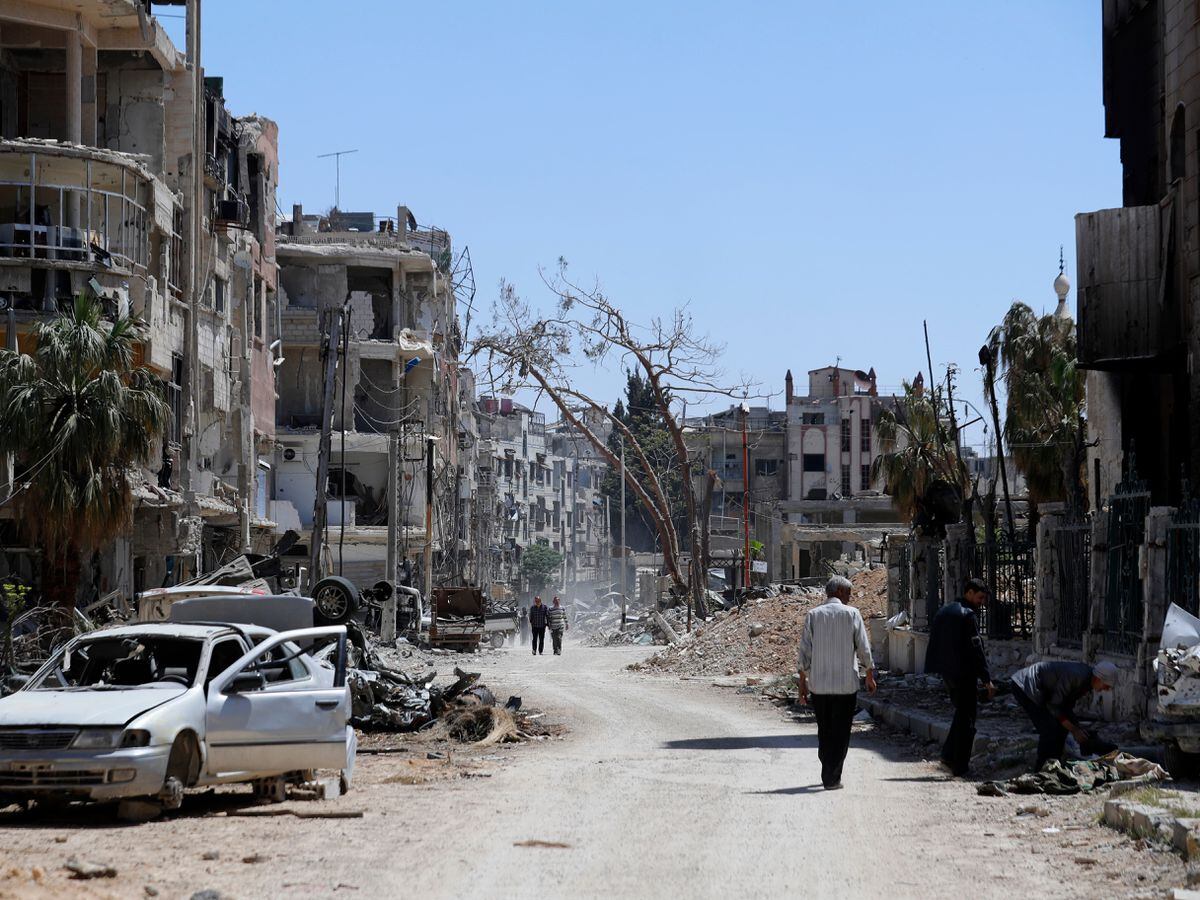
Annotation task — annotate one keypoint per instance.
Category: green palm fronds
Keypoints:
(79, 417)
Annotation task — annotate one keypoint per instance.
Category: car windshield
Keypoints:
(123, 662)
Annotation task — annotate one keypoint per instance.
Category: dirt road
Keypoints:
(662, 789)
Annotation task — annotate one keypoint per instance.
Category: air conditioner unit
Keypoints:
(233, 213)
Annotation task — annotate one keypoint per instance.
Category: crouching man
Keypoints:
(1048, 692)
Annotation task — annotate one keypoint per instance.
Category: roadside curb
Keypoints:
(918, 724)
(1140, 820)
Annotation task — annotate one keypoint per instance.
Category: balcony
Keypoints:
(1126, 310)
(71, 204)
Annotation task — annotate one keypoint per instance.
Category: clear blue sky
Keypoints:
(814, 179)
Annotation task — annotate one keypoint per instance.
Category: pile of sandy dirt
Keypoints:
(761, 638)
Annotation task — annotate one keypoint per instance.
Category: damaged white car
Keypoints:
(139, 713)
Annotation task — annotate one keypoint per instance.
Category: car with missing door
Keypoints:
(138, 713)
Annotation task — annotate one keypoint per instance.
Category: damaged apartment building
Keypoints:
(122, 173)
(539, 484)
(400, 407)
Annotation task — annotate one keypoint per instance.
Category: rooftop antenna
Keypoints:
(337, 160)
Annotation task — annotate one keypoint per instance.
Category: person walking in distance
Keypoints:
(956, 653)
(523, 625)
(833, 649)
(557, 618)
(538, 616)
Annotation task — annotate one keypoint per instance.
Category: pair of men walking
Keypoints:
(542, 617)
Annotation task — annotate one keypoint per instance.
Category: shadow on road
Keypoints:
(103, 815)
(763, 742)
(803, 789)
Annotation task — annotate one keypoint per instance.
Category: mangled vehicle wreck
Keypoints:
(138, 713)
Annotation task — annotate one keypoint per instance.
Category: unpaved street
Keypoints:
(661, 789)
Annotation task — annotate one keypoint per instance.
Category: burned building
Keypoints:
(122, 173)
(397, 393)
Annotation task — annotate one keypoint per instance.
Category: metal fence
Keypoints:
(1010, 573)
(1127, 510)
(1073, 571)
(1183, 557)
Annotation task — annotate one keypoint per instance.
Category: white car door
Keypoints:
(274, 726)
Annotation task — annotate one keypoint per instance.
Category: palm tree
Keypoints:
(79, 418)
(918, 462)
(1044, 410)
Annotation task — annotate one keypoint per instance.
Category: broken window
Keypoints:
(814, 462)
(812, 419)
(175, 398)
(218, 292)
(122, 662)
(865, 436)
(845, 435)
(224, 654)
(766, 468)
(865, 475)
(846, 480)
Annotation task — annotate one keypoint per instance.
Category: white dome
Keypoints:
(1062, 285)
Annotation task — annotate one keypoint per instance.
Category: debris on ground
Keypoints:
(83, 870)
(1078, 776)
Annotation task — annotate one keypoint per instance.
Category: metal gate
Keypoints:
(1073, 571)
(1183, 556)
(1010, 574)
(1127, 511)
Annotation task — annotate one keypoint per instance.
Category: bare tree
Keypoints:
(528, 349)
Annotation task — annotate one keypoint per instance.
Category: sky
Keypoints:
(812, 179)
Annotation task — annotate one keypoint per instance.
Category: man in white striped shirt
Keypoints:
(833, 647)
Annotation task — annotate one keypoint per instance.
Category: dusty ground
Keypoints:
(662, 789)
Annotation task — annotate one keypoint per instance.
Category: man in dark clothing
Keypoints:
(956, 653)
(538, 616)
(1048, 692)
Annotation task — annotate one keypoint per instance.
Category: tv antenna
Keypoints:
(337, 160)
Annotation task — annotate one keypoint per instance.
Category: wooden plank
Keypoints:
(1119, 262)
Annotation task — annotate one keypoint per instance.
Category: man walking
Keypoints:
(523, 625)
(1048, 692)
(956, 653)
(557, 618)
(537, 625)
(833, 647)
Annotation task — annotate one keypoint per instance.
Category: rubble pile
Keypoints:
(761, 637)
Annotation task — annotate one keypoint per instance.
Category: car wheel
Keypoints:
(497, 640)
(335, 600)
(1180, 764)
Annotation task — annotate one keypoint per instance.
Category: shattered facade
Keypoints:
(399, 391)
(538, 485)
(122, 172)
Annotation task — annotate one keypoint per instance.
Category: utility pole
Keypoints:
(429, 522)
(746, 493)
(624, 564)
(333, 323)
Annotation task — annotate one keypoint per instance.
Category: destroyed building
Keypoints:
(543, 487)
(397, 394)
(123, 173)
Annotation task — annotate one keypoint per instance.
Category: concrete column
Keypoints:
(1045, 632)
(924, 564)
(1094, 637)
(74, 116)
(1155, 598)
(88, 98)
(959, 538)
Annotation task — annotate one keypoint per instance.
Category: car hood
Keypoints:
(25, 708)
